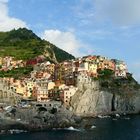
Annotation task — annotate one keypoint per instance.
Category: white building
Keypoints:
(120, 68)
(42, 90)
(68, 93)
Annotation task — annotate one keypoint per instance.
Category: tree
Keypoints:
(106, 73)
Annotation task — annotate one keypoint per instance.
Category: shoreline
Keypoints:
(15, 127)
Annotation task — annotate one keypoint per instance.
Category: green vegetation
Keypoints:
(21, 44)
(94, 78)
(105, 74)
(24, 44)
(120, 85)
(61, 55)
(16, 73)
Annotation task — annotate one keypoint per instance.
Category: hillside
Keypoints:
(24, 44)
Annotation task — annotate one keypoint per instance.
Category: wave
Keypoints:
(93, 126)
(100, 116)
(16, 131)
(117, 115)
(71, 128)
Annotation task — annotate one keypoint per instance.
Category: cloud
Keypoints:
(121, 12)
(6, 22)
(4, 1)
(65, 40)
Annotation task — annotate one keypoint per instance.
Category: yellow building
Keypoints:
(29, 89)
(1, 60)
(51, 68)
(21, 90)
(51, 85)
(27, 94)
(108, 64)
(93, 68)
(29, 85)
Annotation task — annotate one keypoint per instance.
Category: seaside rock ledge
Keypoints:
(106, 97)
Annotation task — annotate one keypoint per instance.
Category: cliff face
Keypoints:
(92, 99)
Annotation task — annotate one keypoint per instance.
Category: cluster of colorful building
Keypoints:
(58, 81)
(9, 63)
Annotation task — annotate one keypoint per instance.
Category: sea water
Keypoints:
(119, 128)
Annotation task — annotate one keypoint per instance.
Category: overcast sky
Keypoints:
(81, 27)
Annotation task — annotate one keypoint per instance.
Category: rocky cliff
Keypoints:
(106, 96)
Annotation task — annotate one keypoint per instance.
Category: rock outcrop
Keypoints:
(37, 118)
(103, 97)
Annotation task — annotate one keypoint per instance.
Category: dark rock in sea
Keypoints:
(32, 119)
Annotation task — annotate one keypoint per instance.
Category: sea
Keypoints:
(102, 128)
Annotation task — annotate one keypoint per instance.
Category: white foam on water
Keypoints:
(72, 129)
(117, 115)
(100, 116)
(93, 126)
(16, 131)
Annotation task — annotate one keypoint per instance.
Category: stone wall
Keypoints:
(7, 96)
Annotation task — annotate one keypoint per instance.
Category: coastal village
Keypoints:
(49, 81)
